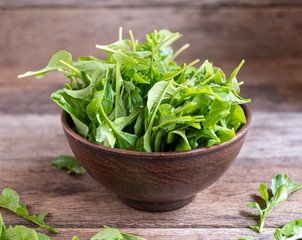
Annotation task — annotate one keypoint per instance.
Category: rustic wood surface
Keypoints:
(267, 33)
(80, 206)
(31, 35)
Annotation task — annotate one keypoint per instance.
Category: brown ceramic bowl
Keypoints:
(158, 181)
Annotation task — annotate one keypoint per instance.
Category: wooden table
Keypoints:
(31, 135)
(266, 33)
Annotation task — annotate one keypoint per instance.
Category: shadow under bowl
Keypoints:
(157, 181)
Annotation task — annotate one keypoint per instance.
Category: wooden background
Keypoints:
(266, 33)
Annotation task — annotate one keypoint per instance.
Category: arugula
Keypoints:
(248, 238)
(10, 201)
(68, 162)
(19, 233)
(281, 187)
(133, 85)
(291, 230)
(112, 234)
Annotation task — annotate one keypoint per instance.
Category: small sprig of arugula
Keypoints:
(280, 188)
(10, 200)
(140, 99)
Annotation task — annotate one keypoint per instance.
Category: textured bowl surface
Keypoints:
(159, 181)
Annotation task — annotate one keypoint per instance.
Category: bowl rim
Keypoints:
(241, 133)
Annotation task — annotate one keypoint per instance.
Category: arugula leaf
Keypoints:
(125, 140)
(155, 97)
(10, 201)
(19, 233)
(291, 230)
(113, 233)
(68, 162)
(54, 63)
(281, 186)
(248, 238)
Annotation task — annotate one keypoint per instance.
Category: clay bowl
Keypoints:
(159, 181)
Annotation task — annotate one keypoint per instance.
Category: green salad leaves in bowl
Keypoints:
(139, 102)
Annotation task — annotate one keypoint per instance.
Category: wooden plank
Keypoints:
(269, 137)
(31, 36)
(29, 142)
(273, 86)
(153, 3)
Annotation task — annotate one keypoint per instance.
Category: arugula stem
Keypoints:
(238, 84)
(117, 88)
(179, 85)
(166, 40)
(183, 69)
(120, 33)
(130, 119)
(77, 71)
(208, 79)
(222, 123)
(198, 70)
(132, 40)
(152, 62)
(107, 119)
(179, 51)
(182, 119)
(178, 90)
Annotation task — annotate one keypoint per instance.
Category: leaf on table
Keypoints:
(281, 187)
(10, 201)
(114, 234)
(19, 233)
(68, 162)
(291, 230)
(248, 238)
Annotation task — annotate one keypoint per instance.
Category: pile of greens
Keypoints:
(140, 99)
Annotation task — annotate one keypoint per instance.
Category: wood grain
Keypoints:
(141, 3)
(30, 36)
(80, 206)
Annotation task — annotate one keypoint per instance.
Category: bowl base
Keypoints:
(156, 206)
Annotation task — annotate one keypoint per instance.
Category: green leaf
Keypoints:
(131, 237)
(281, 187)
(114, 234)
(112, 48)
(85, 93)
(125, 140)
(218, 110)
(248, 238)
(10, 201)
(68, 162)
(282, 179)
(263, 191)
(183, 143)
(2, 226)
(108, 234)
(292, 229)
(76, 109)
(54, 63)
(155, 97)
